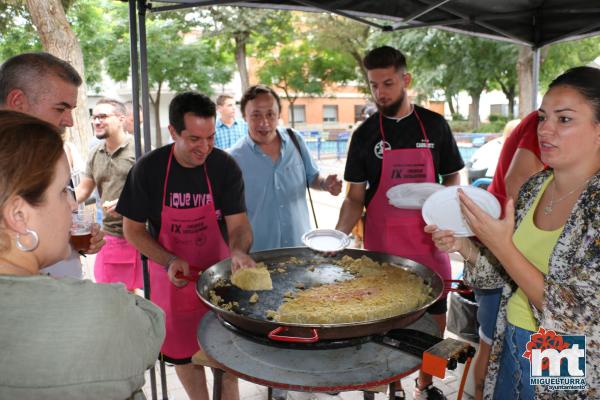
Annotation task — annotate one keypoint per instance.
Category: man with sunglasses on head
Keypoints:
(107, 169)
(45, 87)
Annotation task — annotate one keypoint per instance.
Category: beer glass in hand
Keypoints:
(81, 229)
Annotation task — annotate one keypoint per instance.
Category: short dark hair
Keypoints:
(253, 91)
(119, 107)
(222, 98)
(384, 57)
(26, 71)
(586, 81)
(190, 102)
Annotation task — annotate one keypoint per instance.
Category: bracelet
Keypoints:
(468, 257)
(171, 260)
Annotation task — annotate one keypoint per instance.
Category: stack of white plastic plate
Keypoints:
(411, 195)
(442, 208)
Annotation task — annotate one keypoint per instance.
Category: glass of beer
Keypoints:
(81, 229)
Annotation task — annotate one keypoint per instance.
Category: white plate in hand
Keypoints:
(442, 208)
(411, 195)
(326, 240)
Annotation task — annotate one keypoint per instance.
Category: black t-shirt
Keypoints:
(363, 165)
(141, 199)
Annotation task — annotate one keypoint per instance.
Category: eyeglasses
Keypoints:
(71, 191)
(101, 117)
(269, 116)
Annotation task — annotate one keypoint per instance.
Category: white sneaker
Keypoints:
(430, 392)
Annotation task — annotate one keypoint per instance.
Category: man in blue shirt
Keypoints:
(275, 173)
(228, 128)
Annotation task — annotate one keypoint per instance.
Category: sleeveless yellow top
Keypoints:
(536, 245)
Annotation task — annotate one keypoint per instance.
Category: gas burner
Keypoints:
(320, 345)
(438, 354)
(354, 366)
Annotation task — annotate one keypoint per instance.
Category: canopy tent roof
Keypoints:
(532, 22)
(535, 23)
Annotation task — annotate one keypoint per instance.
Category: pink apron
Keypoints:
(192, 234)
(400, 231)
(118, 261)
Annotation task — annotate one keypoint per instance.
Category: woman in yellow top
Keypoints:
(547, 255)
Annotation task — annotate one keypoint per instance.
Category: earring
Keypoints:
(34, 238)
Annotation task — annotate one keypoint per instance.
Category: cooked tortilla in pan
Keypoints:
(376, 291)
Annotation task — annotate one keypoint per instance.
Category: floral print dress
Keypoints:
(571, 289)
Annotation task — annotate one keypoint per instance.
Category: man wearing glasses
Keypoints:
(45, 87)
(107, 168)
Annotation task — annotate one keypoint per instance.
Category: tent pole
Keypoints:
(135, 78)
(535, 78)
(135, 100)
(142, 6)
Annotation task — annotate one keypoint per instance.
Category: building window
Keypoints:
(330, 113)
(358, 112)
(299, 114)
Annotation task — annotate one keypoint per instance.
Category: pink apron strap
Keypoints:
(423, 131)
(167, 175)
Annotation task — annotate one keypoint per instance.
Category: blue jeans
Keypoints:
(488, 302)
(514, 373)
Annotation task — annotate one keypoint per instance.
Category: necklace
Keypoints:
(548, 209)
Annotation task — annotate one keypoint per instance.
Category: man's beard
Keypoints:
(102, 135)
(391, 110)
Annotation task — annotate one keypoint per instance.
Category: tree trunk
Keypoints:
(156, 105)
(240, 60)
(525, 74)
(509, 93)
(474, 110)
(291, 100)
(454, 98)
(450, 104)
(157, 129)
(292, 119)
(511, 103)
(58, 39)
(358, 57)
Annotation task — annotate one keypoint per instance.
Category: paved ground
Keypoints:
(327, 209)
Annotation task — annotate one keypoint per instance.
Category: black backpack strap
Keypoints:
(292, 135)
(297, 145)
